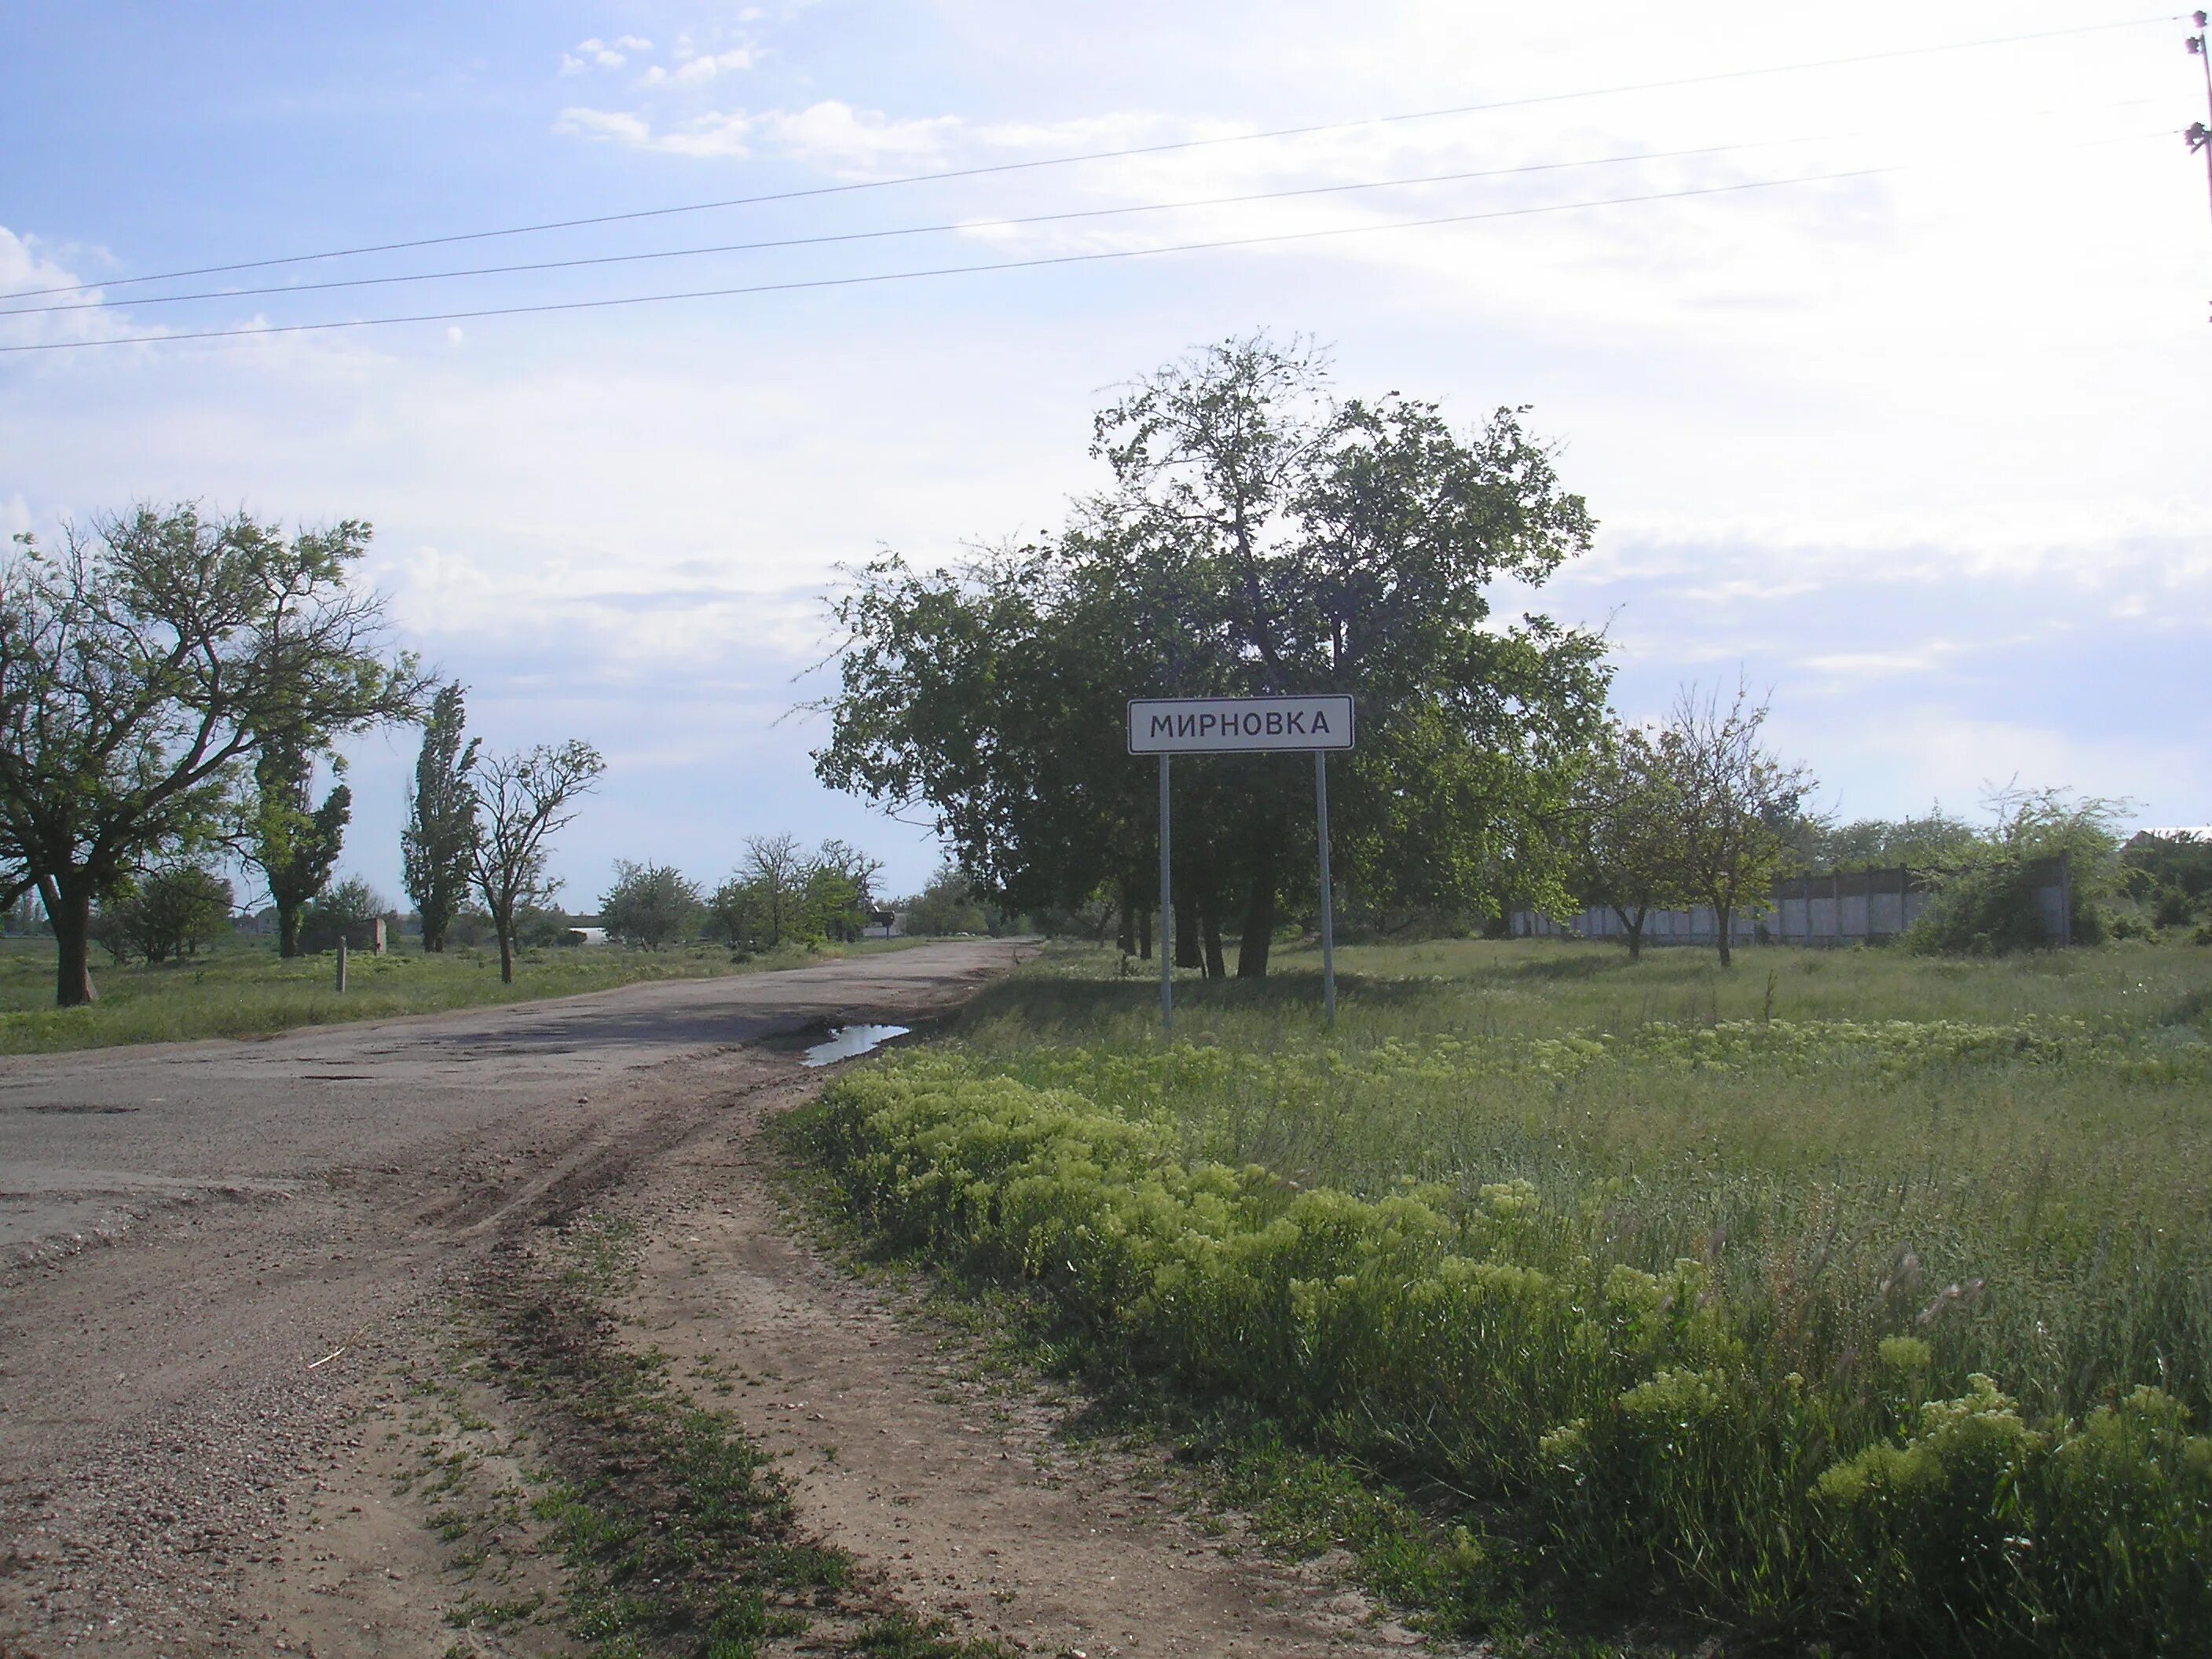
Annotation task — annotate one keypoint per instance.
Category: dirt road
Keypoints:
(225, 1262)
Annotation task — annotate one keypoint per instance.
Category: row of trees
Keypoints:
(779, 893)
(169, 683)
(1259, 534)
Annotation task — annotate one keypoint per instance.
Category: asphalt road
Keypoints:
(212, 1253)
(90, 1142)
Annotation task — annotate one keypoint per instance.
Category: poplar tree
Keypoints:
(442, 817)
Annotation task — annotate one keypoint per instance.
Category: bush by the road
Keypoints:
(1823, 1377)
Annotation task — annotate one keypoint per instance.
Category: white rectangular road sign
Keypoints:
(1223, 726)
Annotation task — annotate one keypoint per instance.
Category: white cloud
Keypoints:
(698, 71)
(833, 134)
(27, 267)
(603, 54)
(613, 126)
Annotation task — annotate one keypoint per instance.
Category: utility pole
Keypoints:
(2199, 134)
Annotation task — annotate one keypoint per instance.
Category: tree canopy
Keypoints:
(1258, 534)
(650, 904)
(142, 667)
(294, 842)
(1625, 831)
(1735, 801)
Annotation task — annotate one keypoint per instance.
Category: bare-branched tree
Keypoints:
(1735, 801)
(522, 799)
(774, 867)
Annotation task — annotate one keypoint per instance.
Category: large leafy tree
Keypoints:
(142, 668)
(442, 817)
(1259, 534)
(293, 841)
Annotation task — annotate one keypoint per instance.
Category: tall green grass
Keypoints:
(1848, 1289)
(244, 989)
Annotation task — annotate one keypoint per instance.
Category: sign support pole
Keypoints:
(1164, 942)
(1327, 893)
(1276, 724)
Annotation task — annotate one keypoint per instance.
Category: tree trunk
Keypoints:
(507, 954)
(1127, 937)
(71, 912)
(1722, 914)
(1635, 931)
(1209, 922)
(1145, 935)
(1259, 934)
(1187, 954)
(287, 929)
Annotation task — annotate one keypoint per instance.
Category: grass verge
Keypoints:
(245, 990)
(1640, 1311)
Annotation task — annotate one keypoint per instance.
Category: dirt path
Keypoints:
(898, 1450)
(234, 1426)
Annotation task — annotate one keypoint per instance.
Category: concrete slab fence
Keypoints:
(1841, 907)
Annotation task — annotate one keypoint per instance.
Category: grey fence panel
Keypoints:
(1838, 908)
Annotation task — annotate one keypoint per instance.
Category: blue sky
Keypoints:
(1922, 448)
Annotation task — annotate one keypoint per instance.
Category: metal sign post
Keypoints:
(1166, 945)
(1327, 894)
(1242, 725)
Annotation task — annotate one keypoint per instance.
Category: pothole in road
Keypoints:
(849, 1041)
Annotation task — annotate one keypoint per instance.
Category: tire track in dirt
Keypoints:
(968, 1501)
(205, 1425)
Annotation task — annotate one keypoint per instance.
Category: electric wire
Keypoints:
(1710, 78)
(1017, 222)
(1093, 257)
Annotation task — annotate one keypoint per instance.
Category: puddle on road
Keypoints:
(847, 1040)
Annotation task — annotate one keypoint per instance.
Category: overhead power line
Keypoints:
(1092, 258)
(583, 261)
(1165, 148)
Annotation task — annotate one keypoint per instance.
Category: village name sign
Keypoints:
(1167, 726)
(1219, 726)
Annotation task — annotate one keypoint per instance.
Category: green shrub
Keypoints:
(1645, 1415)
(2173, 906)
(1979, 1532)
(1992, 905)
